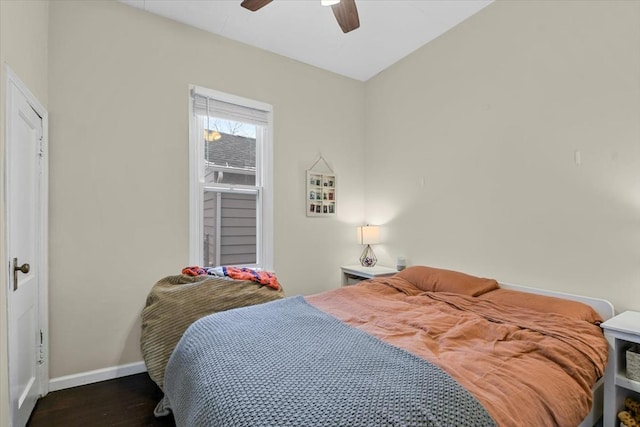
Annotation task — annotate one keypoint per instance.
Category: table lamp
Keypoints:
(368, 235)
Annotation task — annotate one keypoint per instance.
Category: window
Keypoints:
(231, 213)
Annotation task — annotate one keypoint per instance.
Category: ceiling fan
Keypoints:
(345, 12)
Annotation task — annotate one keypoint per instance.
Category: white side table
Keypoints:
(352, 274)
(621, 332)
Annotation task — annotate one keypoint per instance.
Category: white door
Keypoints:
(26, 224)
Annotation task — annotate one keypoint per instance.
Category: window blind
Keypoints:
(207, 106)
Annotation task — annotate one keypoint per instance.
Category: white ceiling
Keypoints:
(308, 32)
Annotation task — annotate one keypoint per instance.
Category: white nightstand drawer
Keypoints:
(352, 274)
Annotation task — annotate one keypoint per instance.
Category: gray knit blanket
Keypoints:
(286, 363)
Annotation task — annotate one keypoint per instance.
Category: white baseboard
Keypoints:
(98, 375)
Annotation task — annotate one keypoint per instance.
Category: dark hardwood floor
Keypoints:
(127, 401)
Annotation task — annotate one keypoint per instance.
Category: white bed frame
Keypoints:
(606, 310)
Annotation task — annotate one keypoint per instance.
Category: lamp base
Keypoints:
(368, 258)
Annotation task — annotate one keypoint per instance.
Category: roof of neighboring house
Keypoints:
(232, 150)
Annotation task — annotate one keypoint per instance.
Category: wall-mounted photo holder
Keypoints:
(321, 196)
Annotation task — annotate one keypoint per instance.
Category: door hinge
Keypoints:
(40, 355)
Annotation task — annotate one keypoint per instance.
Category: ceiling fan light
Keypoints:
(329, 2)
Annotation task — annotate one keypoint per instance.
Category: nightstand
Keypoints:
(621, 332)
(352, 274)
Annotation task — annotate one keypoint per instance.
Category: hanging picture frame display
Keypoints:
(321, 197)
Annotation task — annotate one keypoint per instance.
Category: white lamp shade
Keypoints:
(368, 234)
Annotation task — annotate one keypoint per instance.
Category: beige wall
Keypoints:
(119, 81)
(23, 48)
(471, 148)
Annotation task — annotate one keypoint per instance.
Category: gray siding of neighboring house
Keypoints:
(237, 228)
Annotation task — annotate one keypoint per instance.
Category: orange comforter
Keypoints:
(526, 368)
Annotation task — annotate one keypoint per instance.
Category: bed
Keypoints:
(424, 347)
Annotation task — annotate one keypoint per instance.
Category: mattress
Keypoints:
(524, 366)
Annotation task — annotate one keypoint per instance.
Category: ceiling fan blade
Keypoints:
(347, 15)
(254, 5)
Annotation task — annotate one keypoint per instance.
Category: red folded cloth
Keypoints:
(262, 277)
(194, 271)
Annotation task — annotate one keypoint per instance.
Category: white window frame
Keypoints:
(264, 154)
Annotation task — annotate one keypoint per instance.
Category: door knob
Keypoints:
(24, 268)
